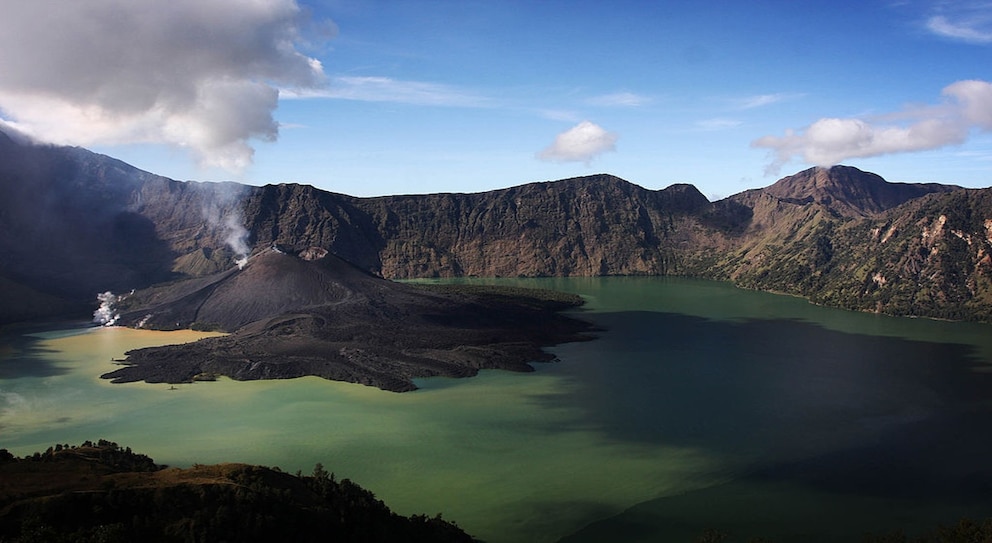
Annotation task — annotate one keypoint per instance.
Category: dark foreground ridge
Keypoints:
(293, 316)
(102, 492)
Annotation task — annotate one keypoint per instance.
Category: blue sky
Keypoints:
(374, 97)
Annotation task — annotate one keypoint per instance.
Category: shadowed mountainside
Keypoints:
(73, 223)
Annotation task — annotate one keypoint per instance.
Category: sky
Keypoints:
(369, 97)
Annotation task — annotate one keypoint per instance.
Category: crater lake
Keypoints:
(699, 406)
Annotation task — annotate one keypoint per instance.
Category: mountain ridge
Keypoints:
(139, 229)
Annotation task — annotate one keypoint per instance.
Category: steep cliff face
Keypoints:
(298, 217)
(598, 225)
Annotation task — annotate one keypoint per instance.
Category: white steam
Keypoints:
(223, 215)
(200, 75)
(106, 314)
(237, 238)
(967, 107)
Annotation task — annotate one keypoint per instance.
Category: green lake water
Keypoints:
(698, 406)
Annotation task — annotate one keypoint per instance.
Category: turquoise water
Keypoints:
(699, 405)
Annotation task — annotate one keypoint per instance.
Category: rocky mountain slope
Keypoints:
(858, 242)
(79, 223)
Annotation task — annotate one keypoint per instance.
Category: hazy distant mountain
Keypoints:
(75, 223)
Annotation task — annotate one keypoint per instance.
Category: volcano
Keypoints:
(297, 315)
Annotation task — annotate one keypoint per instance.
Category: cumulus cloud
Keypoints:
(201, 75)
(967, 107)
(581, 143)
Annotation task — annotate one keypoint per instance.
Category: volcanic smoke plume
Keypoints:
(223, 214)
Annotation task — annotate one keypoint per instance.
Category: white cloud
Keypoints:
(829, 141)
(201, 75)
(385, 89)
(581, 143)
(966, 21)
(619, 99)
(761, 100)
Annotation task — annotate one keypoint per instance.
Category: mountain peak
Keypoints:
(848, 190)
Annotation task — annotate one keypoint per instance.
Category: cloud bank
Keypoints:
(967, 107)
(200, 75)
(581, 143)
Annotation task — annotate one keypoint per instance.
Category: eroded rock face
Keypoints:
(598, 225)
